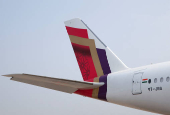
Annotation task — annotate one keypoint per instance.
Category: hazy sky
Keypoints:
(33, 40)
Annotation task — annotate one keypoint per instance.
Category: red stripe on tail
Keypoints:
(87, 93)
(85, 61)
(77, 32)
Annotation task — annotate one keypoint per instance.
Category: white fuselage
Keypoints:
(126, 88)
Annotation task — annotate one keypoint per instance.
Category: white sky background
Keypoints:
(33, 40)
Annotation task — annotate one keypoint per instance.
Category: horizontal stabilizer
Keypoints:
(64, 85)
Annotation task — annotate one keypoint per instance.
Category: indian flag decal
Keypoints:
(144, 80)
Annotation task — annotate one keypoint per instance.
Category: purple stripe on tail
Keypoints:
(103, 89)
(103, 61)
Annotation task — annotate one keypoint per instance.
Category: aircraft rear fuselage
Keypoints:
(106, 77)
(146, 88)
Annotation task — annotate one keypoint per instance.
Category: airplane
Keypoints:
(106, 77)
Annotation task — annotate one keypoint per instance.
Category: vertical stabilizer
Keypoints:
(93, 56)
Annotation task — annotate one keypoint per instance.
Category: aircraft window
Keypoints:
(149, 81)
(155, 80)
(161, 80)
(167, 79)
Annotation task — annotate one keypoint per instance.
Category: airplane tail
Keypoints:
(93, 56)
(95, 61)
